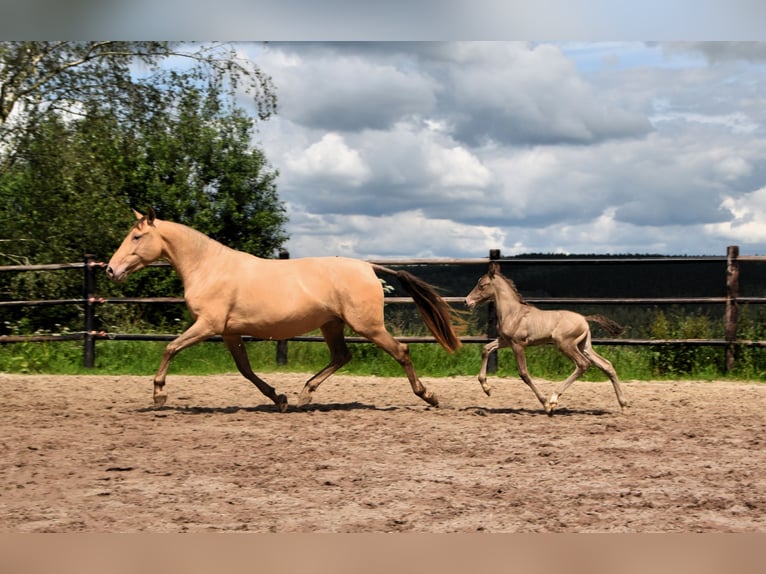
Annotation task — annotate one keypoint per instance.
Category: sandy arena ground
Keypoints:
(89, 454)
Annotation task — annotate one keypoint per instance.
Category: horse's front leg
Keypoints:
(199, 331)
(485, 353)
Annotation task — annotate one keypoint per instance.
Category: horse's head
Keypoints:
(484, 290)
(143, 245)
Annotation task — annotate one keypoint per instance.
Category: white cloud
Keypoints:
(748, 223)
(737, 122)
(456, 148)
(732, 167)
(329, 158)
(335, 88)
(456, 167)
(405, 234)
(513, 92)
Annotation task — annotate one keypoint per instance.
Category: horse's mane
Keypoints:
(512, 286)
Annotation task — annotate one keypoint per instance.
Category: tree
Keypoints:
(39, 79)
(196, 166)
(175, 141)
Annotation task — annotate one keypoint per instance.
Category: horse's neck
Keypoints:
(188, 250)
(507, 301)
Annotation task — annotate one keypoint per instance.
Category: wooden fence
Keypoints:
(732, 300)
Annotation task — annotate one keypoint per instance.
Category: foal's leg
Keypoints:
(339, 356)
(239, 354)
(199, 331)
(485, 353)
(581, 361)
(521, 365)
(606, 366)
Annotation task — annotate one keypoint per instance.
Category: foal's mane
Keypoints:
(513, 288)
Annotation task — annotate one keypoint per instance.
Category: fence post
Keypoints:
(494, 254)
(732, 307)
(282, 345)
(89, 289)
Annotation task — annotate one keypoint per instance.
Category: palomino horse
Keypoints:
(521, 325)
(231, 293)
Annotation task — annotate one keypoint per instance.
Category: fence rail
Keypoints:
(89, 335)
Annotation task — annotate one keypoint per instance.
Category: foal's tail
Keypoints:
(612, 327)
(436, 313)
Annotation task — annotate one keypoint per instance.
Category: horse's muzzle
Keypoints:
(110, 272)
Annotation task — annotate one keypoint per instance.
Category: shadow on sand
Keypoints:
(271, 408)
(559, 412)
(357, 406)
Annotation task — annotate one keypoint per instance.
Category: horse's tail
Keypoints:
(612, 327)
(436, 313)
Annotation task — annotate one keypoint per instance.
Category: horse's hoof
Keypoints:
(431, 399)
(304, 399)
(159, 400)
(488, 391)
(281, 403)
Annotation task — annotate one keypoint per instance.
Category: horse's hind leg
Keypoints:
(339, 356)
(239, 354)
(606, 366)
(401, 353)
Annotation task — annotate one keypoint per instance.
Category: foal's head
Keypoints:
(142, 245)
(487, 287)
(484, 290)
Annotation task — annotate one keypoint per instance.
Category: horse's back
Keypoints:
(328, 272)
(328, 281)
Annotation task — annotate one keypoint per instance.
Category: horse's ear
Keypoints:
(138, 215)
(493, 268)
(151, 216)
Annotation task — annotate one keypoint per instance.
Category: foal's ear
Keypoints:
(493, 269)
(138, 214)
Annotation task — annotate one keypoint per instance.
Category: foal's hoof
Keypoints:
(281, 403)
(159, 400)
(549, 408)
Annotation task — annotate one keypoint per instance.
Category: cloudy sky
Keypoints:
(425, 149)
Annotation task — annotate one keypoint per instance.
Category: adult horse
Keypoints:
(521, 325)
(232, 293)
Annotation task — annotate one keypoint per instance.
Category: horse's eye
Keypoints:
(136, 237)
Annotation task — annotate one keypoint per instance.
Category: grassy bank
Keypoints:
(142, 358)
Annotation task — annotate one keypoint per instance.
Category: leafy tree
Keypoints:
(40, 79)
(93, 141)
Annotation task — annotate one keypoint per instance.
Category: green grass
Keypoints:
(142, 358)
